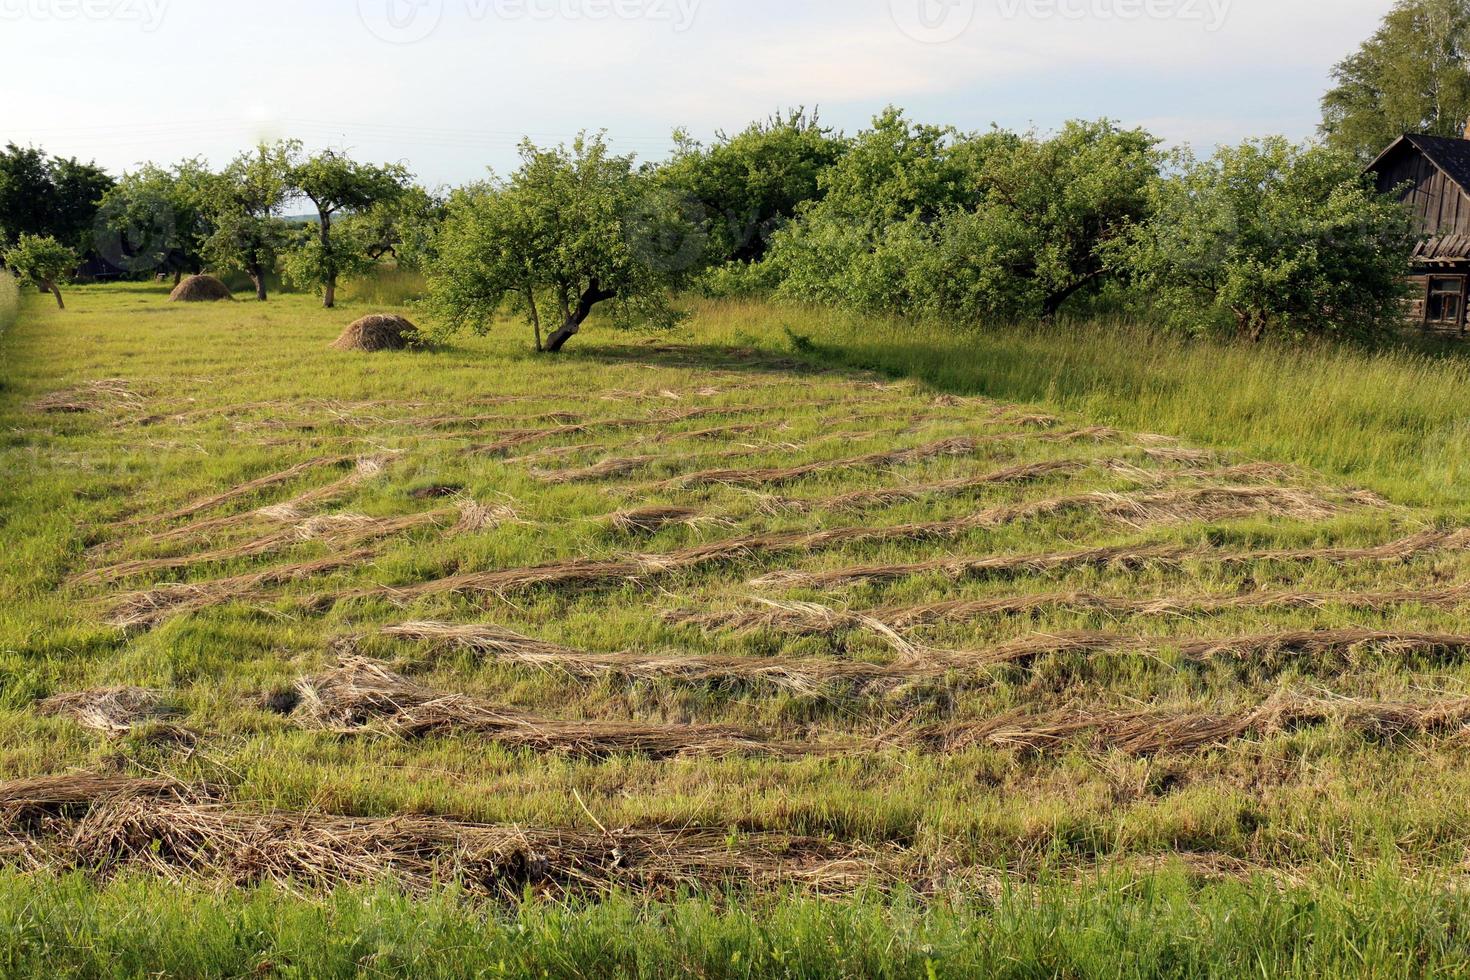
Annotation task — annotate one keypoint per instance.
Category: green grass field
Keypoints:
(790, 644)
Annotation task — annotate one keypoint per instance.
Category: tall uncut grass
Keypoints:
(1396, 420)
(9, 299)
(1162, 927)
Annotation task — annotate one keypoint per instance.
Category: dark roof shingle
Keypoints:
(1448, 154)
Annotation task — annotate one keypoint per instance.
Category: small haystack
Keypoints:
(378, 331)
(200, 289)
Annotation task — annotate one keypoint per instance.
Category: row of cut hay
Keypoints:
(1009, 476)
(296, 509)
(1147, 733)
(774, 476)
(1129, 732)
(149, 607)
(1311, 642)
(613, 467)
(650, 520)
(1029, 473)
(916, 662)
(336, 530)
(813, 619)
(1213, 502)
(113, 825)
(1117, 557)
(103, 395)
(969, 610)
(362, 695)
(247, 488)
(802, 676)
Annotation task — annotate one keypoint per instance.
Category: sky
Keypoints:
(450, 86)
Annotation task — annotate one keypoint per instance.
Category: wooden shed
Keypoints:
(1432, 175)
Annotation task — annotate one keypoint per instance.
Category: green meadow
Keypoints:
(788, 643)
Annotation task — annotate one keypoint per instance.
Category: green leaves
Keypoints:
(41, 260)
(1273, 239)
(1411, 76)
(573, 227)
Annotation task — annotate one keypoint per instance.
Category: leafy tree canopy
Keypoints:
(1271, 239)
(1411, 76)
(568, 231)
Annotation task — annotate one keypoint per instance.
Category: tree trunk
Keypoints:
(535, 318)
(593, 295)
(50, 287)
(1054, 302)
(259, 279)
(329, 292)
(178, 277)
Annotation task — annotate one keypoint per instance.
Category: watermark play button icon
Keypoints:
(933, 21)
(400, 21)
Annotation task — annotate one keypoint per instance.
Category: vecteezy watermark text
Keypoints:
(408, 21)
(147, 14)
(941, 21)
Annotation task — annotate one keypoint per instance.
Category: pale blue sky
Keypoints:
(449, 85)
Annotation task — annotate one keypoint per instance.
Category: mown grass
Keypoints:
(1392, 419)
(1294, 809)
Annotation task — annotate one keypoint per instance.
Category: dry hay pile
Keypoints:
(364, 695)
(200, 289)
(377, 332)
(94, 396)
(114, 712)
(111, 825)
(650, 520)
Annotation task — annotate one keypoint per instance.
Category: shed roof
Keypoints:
(1449, 154)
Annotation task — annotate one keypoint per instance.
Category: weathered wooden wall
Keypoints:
(1440, 207)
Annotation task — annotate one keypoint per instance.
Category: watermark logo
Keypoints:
(409, 21)
(147, 14)
(933, 21)
(1212, 14)
(667, 231)
(135, 237)
(400, 21)
(942, 21)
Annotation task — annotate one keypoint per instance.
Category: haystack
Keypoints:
(200, 289)
(378, 331)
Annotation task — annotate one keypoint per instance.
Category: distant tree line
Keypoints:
(1264, 239)
(185, 218)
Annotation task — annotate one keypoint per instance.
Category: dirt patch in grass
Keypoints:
(108, 826)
